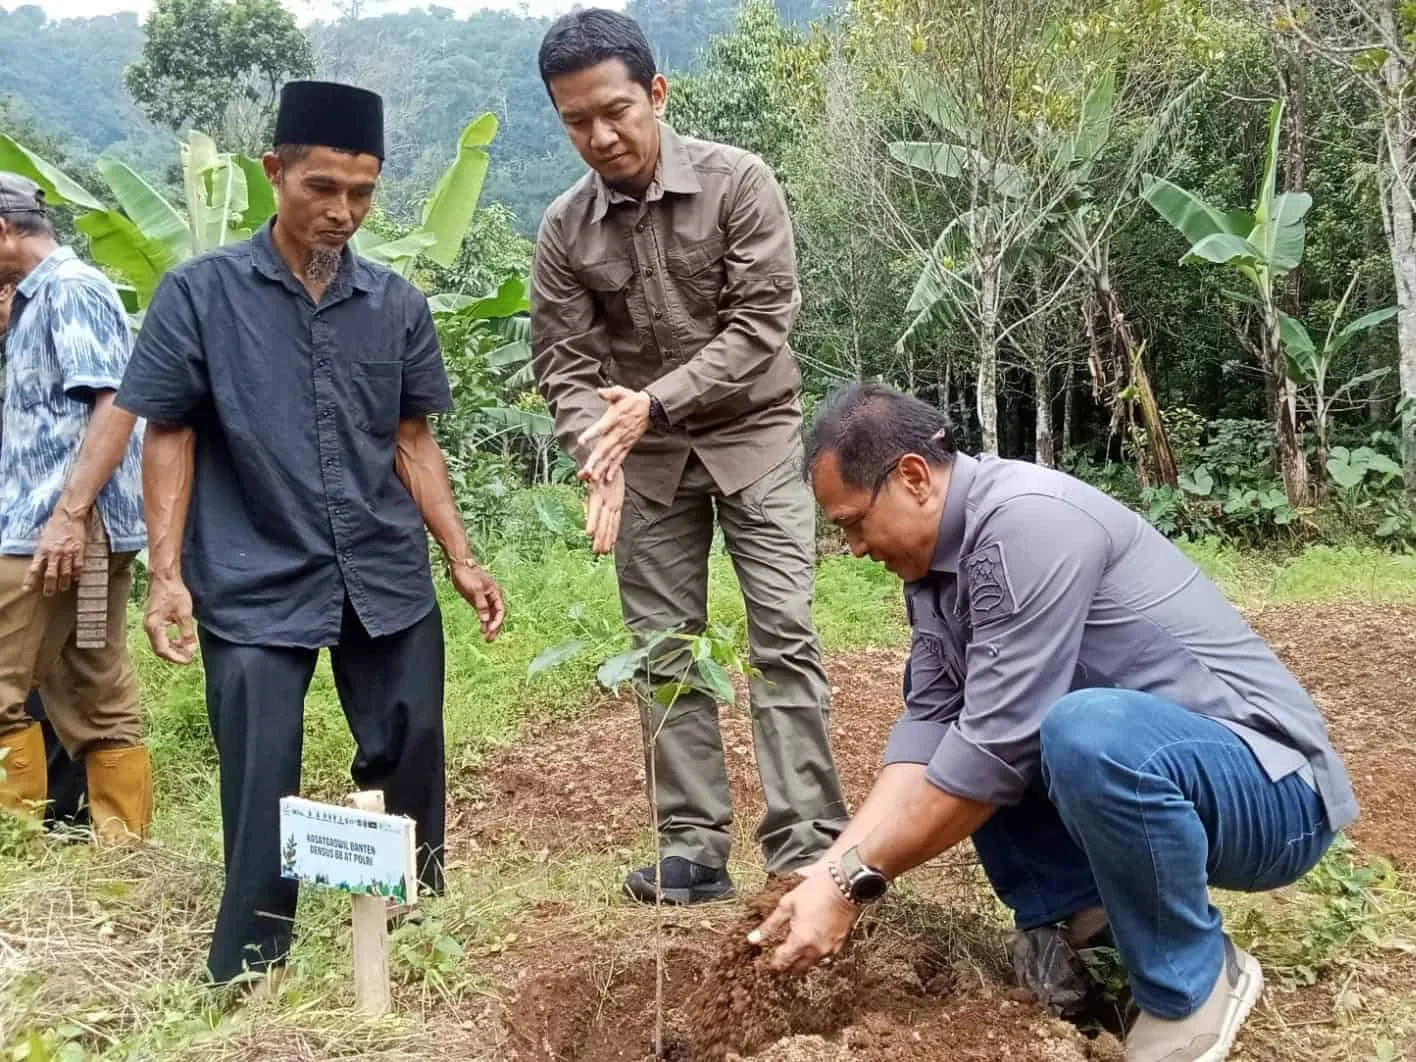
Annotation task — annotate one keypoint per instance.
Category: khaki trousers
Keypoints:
(661, 557)
(90, 695)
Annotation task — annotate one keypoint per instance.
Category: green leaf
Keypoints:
(1195, 218)
(518, 353)
(397, 254)
(933, 99)
(157, 218)
(1388, 527)
(1282, 239)
(622, 668)
(716, 680)
(449, 210)
(1294, 335)
(961, 163)
(1095, 124)
(555, 656)
(1223, 248)
(511, 299)
(1199, 484)
(59, 187)
(1344, 473)
(1368, 320)
(260, 196)
(117, 243)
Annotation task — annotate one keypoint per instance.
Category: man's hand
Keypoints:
(170, 605)
(602, 518)
(623, 424)
(817, 919)
(7, 300)
(59, 554)
(481, 591)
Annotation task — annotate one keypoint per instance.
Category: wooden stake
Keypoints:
(91, 631)
(371, 985)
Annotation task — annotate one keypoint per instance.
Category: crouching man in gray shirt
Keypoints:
(1083, 703)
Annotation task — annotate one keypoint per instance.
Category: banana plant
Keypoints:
(1263, 247)
(1310, 364)
(226, 198)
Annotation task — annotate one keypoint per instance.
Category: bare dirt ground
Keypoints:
(929, 979)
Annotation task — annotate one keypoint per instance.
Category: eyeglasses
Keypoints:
(884, 478)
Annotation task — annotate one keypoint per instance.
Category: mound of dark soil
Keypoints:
(894, 995)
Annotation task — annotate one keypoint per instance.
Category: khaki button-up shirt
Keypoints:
(688, 294)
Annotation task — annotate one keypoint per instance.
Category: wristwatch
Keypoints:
(858, 883)
(657, 417)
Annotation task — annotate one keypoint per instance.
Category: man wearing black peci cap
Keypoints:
(290, 474)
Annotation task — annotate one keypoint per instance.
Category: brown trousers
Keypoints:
(90, 695)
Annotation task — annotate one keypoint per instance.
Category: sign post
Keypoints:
(366, 853)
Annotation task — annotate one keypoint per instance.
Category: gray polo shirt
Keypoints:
(1041, 584)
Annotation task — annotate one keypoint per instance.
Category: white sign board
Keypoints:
(359, 852)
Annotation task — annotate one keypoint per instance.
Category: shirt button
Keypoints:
(658, 315)
(639, 227)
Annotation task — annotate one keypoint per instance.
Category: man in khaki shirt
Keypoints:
(663, 291)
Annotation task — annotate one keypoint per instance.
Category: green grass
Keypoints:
(1359, 573)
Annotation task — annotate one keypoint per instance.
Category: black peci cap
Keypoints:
(328, 114)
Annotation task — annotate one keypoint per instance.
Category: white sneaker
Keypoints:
(1208, 1033)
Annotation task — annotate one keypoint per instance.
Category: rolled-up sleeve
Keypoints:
(758, 306)
(1032, 578)
(933, 699)
(166, 380)
(569, 341)
(425, 385)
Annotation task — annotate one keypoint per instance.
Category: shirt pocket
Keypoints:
(611, 284)
(698, 274)
(378, 395)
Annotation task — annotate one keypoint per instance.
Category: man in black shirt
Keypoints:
(287, 385)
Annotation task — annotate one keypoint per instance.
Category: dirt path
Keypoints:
(931, 981)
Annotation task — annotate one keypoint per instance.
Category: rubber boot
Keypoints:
(24, 772)
(120, 794)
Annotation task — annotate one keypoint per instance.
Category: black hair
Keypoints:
(869, 427)
(31, 223)
(290, 154)
(586, 38)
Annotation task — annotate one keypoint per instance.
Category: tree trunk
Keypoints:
(1043, 446)
(1130, 370)
(1069, 390)
(1292, 462)
(1401, 236)
(989, 292)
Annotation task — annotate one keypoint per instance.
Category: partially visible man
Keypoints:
(663, 292)
(67, 789)
(1086, 705)
(66, 449)
(292, 478)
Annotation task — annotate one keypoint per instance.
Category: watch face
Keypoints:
(869, 886)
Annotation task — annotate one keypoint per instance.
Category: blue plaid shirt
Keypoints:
(68, 340)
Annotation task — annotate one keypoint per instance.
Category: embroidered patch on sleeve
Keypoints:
(990, 592)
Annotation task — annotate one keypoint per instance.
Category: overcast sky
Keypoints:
(309, 10)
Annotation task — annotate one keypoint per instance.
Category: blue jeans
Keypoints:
(1142, 806)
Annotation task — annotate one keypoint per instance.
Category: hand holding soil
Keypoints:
(817, 920)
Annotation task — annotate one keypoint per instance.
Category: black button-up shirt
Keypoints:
(296, 504)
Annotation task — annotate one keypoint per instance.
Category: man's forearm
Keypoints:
(105, 443)
(892, 786)
(168, 463)
(925, 822)
(423, 469)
